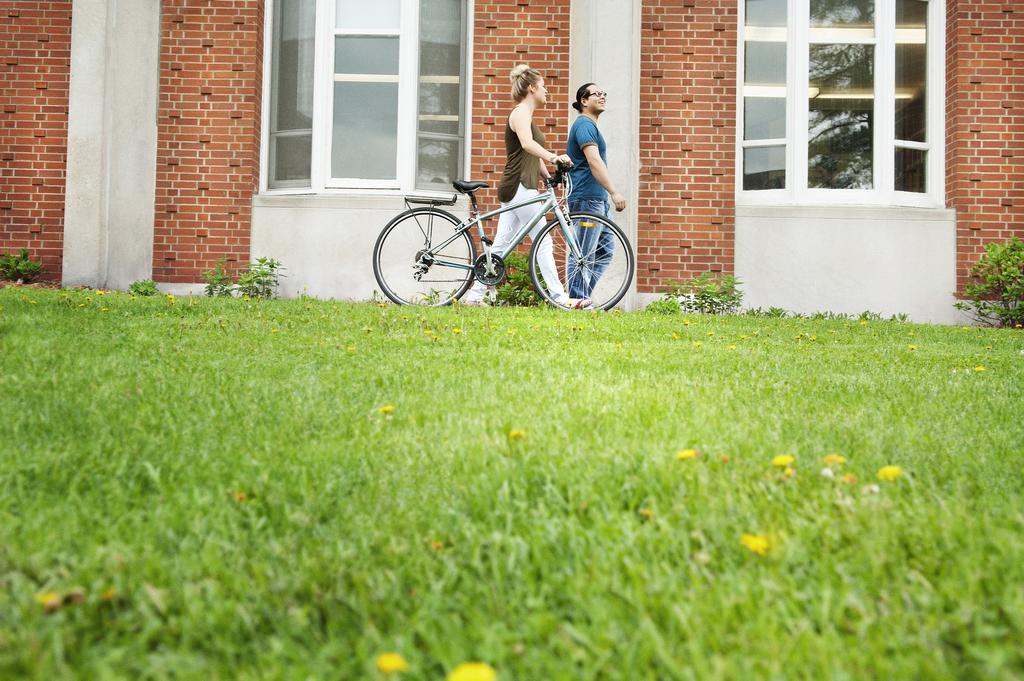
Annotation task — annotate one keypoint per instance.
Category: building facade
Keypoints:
(842, 155)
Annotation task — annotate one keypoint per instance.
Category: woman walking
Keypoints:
(524, 151)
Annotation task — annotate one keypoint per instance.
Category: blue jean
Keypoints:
(597, 245)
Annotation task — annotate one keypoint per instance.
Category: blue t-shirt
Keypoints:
(583, 133)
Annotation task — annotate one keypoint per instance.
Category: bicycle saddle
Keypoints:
(469, 187)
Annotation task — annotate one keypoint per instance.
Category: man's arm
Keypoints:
(600, 172)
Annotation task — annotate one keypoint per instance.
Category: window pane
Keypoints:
(353, 15)
(291, 158)
(765, 63)
(910, 170)
(437, 163)
(764, 118)
(364, 141)
(366, 55)
(764, 168)
(911, 67)
(441, 93)
(843, 13)
(766, 13)
(440, 37)
(292, 86)
(440, 104)
(840, 116)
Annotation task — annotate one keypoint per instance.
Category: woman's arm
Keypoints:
(519, 121)
(600, 172)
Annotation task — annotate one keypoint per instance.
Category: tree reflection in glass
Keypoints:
(840, 116)
(843, 13)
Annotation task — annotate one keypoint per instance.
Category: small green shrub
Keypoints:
(770, 313)
(19, 267)
(707, 294)
(996, 297)
(664, 306)
(260, 279)
(219, 281)
(517, 291)
(143, 288)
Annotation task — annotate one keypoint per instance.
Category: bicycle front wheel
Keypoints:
(422, 258)
(602, 271)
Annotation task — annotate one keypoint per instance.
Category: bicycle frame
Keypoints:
(547, 198)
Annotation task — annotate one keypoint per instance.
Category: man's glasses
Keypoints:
(599, 93)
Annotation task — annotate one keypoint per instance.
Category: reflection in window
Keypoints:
(843, 13)
(765, 12)
(764, 118)
(764, 94)
(910, 106)
(291, 108)
(910, 169)
(441, 92)
(764, 168)
(840, 117)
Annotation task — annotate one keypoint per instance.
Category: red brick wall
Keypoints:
(208, 147)
(985, 124)
(506, 33)
(35, 58)
(687, 140)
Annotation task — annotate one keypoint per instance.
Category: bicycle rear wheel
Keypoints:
(603, 273)
(421, 258)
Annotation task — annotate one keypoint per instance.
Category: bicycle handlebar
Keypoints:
(556, 179)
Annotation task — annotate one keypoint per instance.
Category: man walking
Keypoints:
(592, 191)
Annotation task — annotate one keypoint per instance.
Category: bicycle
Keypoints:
(423, 243)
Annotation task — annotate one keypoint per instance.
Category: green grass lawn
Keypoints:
(288, 489)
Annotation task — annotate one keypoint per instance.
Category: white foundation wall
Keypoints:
(326, 242)
(849, 260)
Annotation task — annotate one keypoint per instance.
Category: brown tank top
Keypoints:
(521, 167)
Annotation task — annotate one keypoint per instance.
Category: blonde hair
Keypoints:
(522, 77)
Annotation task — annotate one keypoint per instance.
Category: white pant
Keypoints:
(511, 222)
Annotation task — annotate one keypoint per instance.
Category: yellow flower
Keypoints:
(788, 473)
(850, 479)
(979, 368)
(783, 460)
(646, 513)
(516, 434)
(834, 459)
(756, 543)
(473, 671)
(687, 454)
(732, 347)
(390, 663)
(457, 331)
(697, 344)
(387, 409)
(889, 473)
(239, 496)
(50, 600)
(912, 347)
(110, 594)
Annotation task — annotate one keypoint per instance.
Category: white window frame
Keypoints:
(799, 33)
(321, 182)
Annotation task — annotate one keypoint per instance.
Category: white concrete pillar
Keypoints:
(112, 128)
(604, 48)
